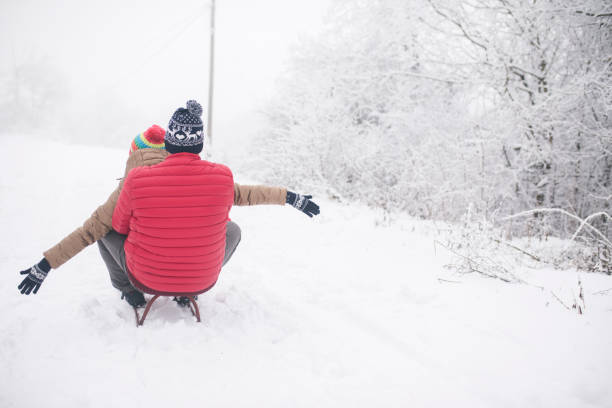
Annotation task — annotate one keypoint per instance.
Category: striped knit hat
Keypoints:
(185, 130)
(152, 138)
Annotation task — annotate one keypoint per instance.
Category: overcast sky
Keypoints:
(134, 62)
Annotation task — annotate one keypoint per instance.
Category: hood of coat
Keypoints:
(145, 157)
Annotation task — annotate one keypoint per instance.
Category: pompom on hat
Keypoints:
(152, 138)
(185, 131)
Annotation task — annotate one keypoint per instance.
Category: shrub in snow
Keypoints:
(481, 247)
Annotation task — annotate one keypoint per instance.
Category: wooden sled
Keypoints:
(193, 306)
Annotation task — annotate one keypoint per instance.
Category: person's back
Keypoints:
(176, 214)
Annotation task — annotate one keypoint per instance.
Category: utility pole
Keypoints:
(211, 71)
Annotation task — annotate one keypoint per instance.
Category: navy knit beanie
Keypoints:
(185, 131)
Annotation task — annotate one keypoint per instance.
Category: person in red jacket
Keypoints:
(147, 149)
(172, 232)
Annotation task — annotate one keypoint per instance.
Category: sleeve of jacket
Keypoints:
(94, 228)
(123, 209)
(257, 195)
(97, 225)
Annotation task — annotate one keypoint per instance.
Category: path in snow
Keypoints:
(334, 311)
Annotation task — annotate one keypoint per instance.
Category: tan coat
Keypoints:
(100, 222)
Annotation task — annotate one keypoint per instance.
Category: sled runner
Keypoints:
(193, 306)
(191, 298)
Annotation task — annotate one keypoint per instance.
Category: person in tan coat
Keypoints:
(147, 149)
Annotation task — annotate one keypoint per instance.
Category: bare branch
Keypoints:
(561, 211)
(458, 24)
(560, 301)
(538, 77)
(449, 281)
(535, 258)
(586, 220)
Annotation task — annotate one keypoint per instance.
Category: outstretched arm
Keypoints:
(94, 228)
(100, 222)
(257, 195)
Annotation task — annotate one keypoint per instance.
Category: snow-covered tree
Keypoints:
(431, 106)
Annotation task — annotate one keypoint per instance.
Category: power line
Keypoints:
(192, 18)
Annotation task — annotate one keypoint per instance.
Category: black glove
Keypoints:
(36, 276)
(303, 203)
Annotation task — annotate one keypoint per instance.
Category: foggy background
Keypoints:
(101, 72)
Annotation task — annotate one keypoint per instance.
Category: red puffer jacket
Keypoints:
(174, 214)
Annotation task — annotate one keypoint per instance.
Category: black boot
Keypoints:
(183, 301)
(134, 298)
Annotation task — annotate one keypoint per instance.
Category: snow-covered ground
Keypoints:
(342, 310)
